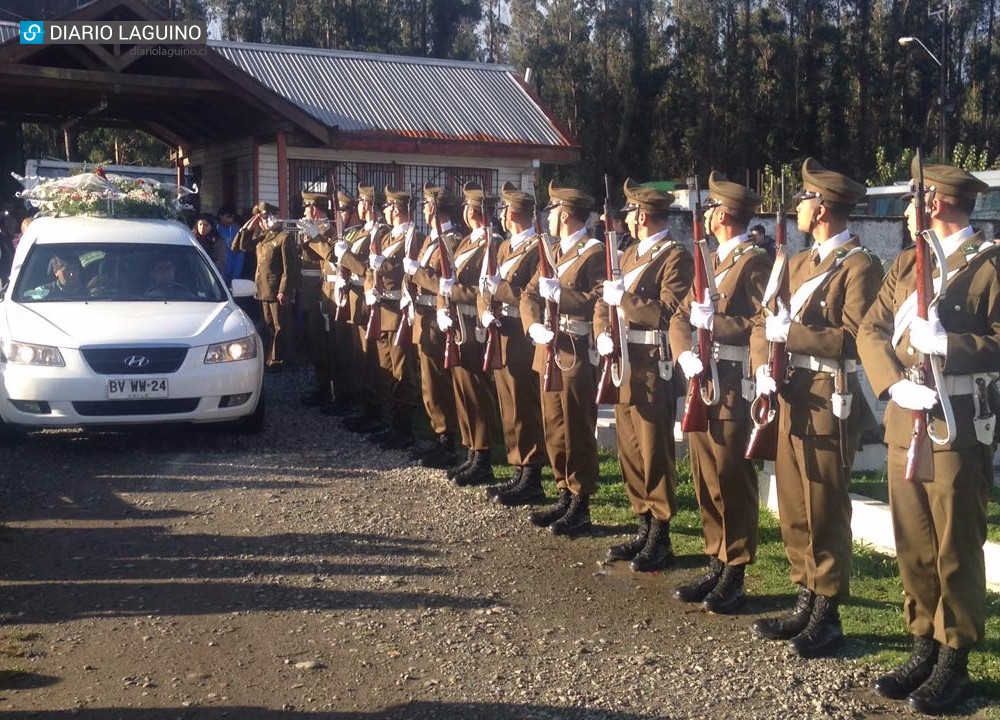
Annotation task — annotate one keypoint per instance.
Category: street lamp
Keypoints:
(943, 68)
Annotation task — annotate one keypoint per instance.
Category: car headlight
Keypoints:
(242, 349)
(21, 353)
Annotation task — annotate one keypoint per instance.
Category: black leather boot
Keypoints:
(630, 548)
(441, 453)
(576, 520)
(528, 490)
(544, 518)
(512, 482)
(464, 465)
(696, 590)
(947, 685)
(479, 472)
(822, 635)
(785, 627)
(657, 554)
(899, 683)
(728, 595)
(367, 422)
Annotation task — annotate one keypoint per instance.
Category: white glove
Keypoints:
(549, 288)
(375, 262)
(410, 266)
(912, 396)
(765, 383)
(776, 326)
(605, 344)
(339, 282)
(540, 334)
(929, 336)
(613, 292)
(308, 228)
(702, 314)
(690, 363)
(340, 249)
(445, 286)
(491, 283)
(488, 318)
(370, 297)
(443, 318)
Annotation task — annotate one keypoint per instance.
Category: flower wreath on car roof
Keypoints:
(100, 194)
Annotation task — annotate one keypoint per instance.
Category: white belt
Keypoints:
(644, 337)
(426, 299)
(469, 310)
(828, 365)
(311, 273)
(959, 384)
(574, 326)
(357, 280)
(331, 278)
(733, 353)
(390, 295)
(510, 311)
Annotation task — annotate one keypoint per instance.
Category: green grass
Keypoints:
(872, 618)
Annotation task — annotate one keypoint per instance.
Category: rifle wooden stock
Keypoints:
(452, 356)
(763, 441)
(695, 418)
(492, 359)
(404, 330)
(374, 328)
(552, 380)
(919, 456)
(607, 390)
(342, 298)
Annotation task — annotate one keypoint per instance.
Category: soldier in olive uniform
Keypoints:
(474, 401)
(436, 382)
(656, 275)
(517, 381)
(277, 276)
(314, 213)
(832, 285)
(352, 256)
(939, 518)
(396, 381)
(569, 415)
(725, 481)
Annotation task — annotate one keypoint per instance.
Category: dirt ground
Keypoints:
(303, 574)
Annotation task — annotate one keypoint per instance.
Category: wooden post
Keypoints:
(282, 174)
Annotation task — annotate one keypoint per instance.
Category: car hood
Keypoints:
(76, 324)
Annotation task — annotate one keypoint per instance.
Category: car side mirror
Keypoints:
(243, 288)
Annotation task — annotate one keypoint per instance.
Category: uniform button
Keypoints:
(822, 303)
(909, 351)
(957, 308)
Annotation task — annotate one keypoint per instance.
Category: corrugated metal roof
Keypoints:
(371, 94)
(8, 31)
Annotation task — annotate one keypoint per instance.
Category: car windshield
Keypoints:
(115, 272)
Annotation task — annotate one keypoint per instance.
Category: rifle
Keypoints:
(552, 377)
(404, 331)
(763, 443)
(699, 396)
(341, 299)
(491, 353)
(919, 457)
(616, 365)
(374, 329)
(452, 357)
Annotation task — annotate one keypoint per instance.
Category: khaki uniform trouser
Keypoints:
(316, 336)
(474, 403)
(940, 528)
(725, 484)
(396, 386)
(520, 414)
(647, 456)
(437, 387)
(569, 418)
(277, 318)
(814, 508)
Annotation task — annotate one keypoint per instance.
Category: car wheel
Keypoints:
(254, 422)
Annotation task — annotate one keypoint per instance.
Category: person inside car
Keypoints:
(162, 282)
(68, 283)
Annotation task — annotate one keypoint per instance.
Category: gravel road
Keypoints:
(302, 574)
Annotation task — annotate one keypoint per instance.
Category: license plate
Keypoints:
(137, 388)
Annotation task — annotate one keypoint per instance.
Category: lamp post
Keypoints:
(943, 68)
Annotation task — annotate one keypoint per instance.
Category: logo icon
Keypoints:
(32, 32)
(136, 361)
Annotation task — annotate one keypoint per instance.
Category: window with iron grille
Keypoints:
(324, 175)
